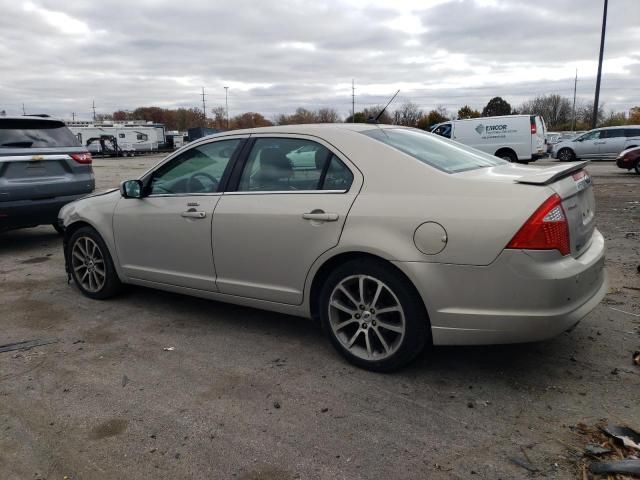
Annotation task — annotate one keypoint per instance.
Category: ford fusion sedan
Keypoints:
(392, 237)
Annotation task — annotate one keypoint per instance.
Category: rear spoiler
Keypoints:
(549, 175)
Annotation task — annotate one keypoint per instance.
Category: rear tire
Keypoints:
(373, 315)
(566, 155)
(507, 155)
(91, 265)
(637, 167)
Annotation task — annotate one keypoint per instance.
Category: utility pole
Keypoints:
(94, 110)
(226, 102)
(353, 101)
(594, 121)
(73, 116)
(23, 112)
(575, 87)
(204, 108)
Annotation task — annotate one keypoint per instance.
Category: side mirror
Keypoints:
(131, 189)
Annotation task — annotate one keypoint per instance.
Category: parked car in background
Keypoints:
(552, 139)
(393, 237)
(516, 138)
(42, 168)
(629, 159)
(601, 143)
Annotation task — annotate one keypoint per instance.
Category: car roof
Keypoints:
(616, 126)
(305, 128)
(31, 117)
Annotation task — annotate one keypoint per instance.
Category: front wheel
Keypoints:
(91, 264)
(566, 155)
(637, 167)
(373, 315)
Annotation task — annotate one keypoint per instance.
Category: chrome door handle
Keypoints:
(321, 216)
(193, 214)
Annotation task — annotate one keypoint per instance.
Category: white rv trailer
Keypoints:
(129, 138)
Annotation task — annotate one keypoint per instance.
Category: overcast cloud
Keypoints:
(58, 56)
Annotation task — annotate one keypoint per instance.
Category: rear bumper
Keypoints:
(523, 296)
(28, 213)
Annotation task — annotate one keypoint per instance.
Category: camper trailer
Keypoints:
(129, 138)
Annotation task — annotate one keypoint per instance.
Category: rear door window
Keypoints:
(615, 133)
(35, 133)
(632, 132)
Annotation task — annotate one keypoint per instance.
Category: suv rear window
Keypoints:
(32, 133)
(445, 155)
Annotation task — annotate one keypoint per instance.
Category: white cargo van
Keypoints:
(517, 138)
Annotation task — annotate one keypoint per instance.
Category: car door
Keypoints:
(165, 237)
(611, 142)
(285, 210)
(588, 145)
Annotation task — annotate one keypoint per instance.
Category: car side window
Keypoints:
(443, 130)
(338, 176)
(614, 133)
(283, 164)
(632, 132)
(592, 135)
(195, 171)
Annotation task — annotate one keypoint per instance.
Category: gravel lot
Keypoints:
(247, 394)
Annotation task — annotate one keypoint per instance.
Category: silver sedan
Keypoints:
(392, 237)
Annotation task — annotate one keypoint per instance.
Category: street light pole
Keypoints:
(226, 102)
(594, 121)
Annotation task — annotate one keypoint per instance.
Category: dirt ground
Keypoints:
(246, 394)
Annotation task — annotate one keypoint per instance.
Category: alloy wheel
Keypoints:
(366, 317)
(88, 264)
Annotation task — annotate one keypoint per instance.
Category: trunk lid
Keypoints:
(570, 181)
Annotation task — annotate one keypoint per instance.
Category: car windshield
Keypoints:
(33, 133)
(438, 152)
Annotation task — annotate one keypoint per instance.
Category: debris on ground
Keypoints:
(631, 467)
(636, 358)
(524, 464)
(26, 344)
(627, 436)
(593, 449)
(276, 404)
(125, 380)
(615, 446)
(169, 349)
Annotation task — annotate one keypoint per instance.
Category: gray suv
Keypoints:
(602, 143)
(42, 168)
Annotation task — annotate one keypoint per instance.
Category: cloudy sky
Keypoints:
(275, 55)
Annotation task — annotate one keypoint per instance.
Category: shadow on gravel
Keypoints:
(27, 240)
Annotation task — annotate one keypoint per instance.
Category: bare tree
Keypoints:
(555, 109)
(219, 117)
(408, 114)
(327, 115)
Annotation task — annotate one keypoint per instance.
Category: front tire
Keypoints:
(566, 155)
(91, 265)
(637, 167)
(373, 315)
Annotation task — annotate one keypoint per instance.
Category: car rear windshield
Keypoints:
(31, 133)
(438, 152)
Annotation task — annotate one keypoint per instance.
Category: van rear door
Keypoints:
(537, 136)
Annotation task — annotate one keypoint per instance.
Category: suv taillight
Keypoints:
(84, 158)
(546, 229)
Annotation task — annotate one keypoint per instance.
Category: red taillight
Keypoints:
(546, 229)
(84, 158)
(534, 129)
